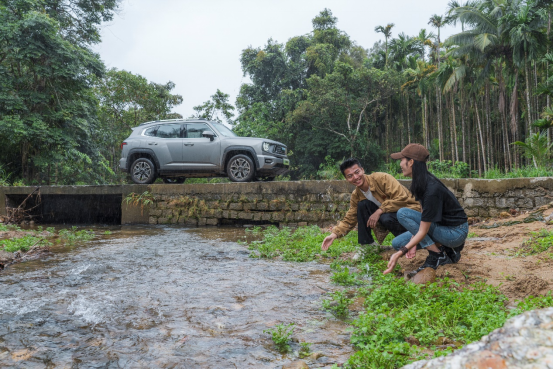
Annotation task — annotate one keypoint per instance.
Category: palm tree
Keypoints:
(438, 21)
(424, 39)
(387, 31)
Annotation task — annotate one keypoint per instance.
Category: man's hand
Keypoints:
(411, 252)
(392, 262)
(328, 241)
(374, 218)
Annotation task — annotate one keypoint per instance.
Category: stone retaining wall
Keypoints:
(320, 202)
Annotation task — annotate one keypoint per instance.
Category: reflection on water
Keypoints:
(162, 297)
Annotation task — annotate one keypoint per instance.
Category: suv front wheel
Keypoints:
(241, 168)
(143, 171)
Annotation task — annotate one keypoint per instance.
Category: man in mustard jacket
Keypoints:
(376, 198)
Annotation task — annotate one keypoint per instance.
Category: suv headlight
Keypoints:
(266, 146)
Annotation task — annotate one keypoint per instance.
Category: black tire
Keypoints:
(241, 168)
(174, 180)
(143, 171)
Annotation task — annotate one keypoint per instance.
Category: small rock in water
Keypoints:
(315, 355)
(427, 275)
(299, 364)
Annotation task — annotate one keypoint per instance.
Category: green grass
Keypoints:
(537, 243)
(394, 309)
(302, 244)
(343, 277)
(73, 235)
(23, 243)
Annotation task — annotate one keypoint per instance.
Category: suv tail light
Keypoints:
(123, 144)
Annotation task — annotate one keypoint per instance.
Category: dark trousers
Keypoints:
(388, 220)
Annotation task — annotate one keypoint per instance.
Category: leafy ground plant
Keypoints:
(304, 349)
(343, 277)
(540, 241)
(338, 304)
(22, 243)
(143, 200)
(302, 244)
(71, 236)
(280, 334)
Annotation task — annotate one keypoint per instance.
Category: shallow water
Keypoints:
(162, 297)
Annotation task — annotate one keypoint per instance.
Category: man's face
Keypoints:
(355, 175)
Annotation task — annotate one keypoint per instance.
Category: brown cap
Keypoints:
(413, 151)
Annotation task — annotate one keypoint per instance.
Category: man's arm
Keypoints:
(348, 223)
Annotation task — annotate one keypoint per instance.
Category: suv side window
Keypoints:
(169, 131)
(151, 131)
(194, 130)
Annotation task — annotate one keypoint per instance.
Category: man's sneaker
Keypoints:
(454, 253)
(434, 260)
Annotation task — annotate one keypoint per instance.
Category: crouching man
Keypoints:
(376, 198)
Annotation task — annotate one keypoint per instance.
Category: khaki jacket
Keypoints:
(387, 190)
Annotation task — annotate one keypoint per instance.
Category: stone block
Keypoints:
(278, 216)
(256, 216)
(217, 213)
(248, 206)
(325, 197)
(503, 202)
(174, 220)
(212, 204)
(167, 212)
(539, 201)
(163, 220)
(191, 221)
(302, 224)
(514, 193)
(153, 220)
(294, 207)
(317, 206)
(245, 215)
(344, 207)
(225, 214)
(156, 212)
(266, 216)
(262, 205)
(293, 225)
(472, 212)
(202, 221)
(304, 206)
(525, 203)
(212, 221)
(233, 214)
(484, 212)
(235, 206)
(253, 197)
(289, 216)
(223, 205)
(276, 205)
(182, 220)
(343, 197)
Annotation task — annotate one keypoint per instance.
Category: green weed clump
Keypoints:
(433, 314)
(23, 243)
(71, 236)
(302, 244)
(343, 277)
(280, 334)
(338, 304)
(540, 241)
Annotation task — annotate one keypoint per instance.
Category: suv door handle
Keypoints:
(152, 143)
(189, 144)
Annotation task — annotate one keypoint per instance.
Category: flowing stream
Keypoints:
(163, 297)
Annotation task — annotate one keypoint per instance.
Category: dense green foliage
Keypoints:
(537, 243)
(280, 334)
(395, 311)
(467, 98)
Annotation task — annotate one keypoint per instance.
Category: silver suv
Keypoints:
(177, 149)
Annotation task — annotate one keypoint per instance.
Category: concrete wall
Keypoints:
(282, 203)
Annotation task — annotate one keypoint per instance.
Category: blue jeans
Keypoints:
(450, 236)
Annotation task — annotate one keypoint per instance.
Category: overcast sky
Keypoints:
(197, 44)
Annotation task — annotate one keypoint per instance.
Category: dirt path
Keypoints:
(489, 256)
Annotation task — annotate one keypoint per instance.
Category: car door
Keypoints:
(201, 152)
(167, 144)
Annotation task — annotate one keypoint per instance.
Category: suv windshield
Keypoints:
(225, 132)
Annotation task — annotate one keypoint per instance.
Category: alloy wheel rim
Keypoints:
(142, 171)
(240, 168)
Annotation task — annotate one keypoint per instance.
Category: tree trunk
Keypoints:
(529, 127)
(481, 138)
(439, 124)
(408, 117)
(454, 133)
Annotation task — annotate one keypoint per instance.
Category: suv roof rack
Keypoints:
(163, 120)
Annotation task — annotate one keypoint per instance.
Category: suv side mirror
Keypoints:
(208, 134)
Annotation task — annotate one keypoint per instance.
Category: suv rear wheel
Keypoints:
(143, 171)
(241, 168)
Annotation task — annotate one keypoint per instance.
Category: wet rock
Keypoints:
(299, 364)
(412, 340)
(525, 341)
(315, 355)
(505, 214)
(427, 275)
